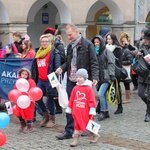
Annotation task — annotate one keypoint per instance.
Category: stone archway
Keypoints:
(96, 9)
(57, 12)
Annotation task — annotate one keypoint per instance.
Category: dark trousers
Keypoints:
(69, 128)
(144, 93)
(50, 99)
(134, 79)
(127, 85)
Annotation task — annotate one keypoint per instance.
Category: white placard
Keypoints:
(53, 79)
(93, 127)
(9, 108)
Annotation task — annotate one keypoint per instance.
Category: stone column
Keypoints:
(6, 31)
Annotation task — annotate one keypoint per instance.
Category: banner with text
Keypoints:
(9, 73)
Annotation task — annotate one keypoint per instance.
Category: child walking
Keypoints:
(82, 105)
(26, 115)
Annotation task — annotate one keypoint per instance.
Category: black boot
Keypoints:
(103, 115)
(107, 114)
(147, 116)
(98, 108)
(58, 107)
(119, 109)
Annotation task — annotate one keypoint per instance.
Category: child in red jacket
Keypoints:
(26, 115)
(82, 105)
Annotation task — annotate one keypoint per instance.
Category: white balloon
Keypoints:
(23, 101)
(22, 85)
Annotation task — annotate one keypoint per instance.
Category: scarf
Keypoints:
(73, 69)
(97, 49)
(111, 47)
(74, 47)
(41, 53)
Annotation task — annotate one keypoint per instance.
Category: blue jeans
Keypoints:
(69, 128)
(102, 93)
(49, 99)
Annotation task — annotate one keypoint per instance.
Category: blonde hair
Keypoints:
(72, 26)
(125, 38)
(44, 36)
(60, 38)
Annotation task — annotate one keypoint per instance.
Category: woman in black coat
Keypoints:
(127, 58)
(114, 46)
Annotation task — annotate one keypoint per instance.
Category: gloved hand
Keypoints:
(112, 78)
(92, 111)
(68, 110)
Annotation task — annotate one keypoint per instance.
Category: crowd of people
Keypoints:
(85, 60)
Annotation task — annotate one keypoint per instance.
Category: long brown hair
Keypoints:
(28, 45)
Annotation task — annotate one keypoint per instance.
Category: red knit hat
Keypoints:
(49, 30)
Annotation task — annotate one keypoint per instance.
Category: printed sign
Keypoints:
(53, 79)
(45, 18)
(9, 108)
(9, 73)
(93, 127)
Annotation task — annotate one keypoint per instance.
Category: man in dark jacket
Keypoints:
(80, 54)
(144, 82)
(50, 32)
(18, 41)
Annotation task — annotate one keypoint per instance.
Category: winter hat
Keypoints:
(82, 72)
(24, 69)
(144, 29)
(104, 31)
(49, 30)
(147, 34)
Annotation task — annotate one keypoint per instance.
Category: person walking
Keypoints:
(80, 54)
(47, 60)
(59, 45)
(144, 82)
(106, 62)
(127, 57)
(82, 101)
(114, 46)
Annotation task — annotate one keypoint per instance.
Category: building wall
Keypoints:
(26, 16)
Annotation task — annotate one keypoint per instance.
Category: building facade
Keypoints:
(33, 16)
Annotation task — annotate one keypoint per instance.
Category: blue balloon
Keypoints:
(4, 119)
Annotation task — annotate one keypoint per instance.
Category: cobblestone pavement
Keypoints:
(126, 131)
